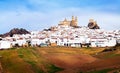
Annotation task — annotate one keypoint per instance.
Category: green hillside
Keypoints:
(25, 60)
(59, 60)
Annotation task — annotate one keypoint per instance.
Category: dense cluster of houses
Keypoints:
(63, 36)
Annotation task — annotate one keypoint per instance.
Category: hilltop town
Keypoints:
(66, 33)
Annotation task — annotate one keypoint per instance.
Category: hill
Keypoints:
(15, 31)
(59, 60)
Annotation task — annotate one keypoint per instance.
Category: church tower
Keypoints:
(73, 21)
(76, 21)
(76, 18)
(73, 18)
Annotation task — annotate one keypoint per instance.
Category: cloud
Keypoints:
(39, 20)
(40, 14)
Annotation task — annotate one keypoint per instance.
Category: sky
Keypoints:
(41, 14)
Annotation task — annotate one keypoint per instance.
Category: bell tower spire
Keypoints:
(73, 18)
(76, 19)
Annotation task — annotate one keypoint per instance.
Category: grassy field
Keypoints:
(25, 60)
(58, 60)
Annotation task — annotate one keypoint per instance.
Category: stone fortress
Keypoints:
(93, 24)
(73, 22)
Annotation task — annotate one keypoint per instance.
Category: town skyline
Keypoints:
(40, 14)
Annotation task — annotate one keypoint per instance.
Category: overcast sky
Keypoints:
(40, 14)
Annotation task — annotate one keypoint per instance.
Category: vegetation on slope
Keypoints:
(55, 59)
(25, 60)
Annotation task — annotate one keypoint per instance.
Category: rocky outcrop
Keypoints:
(15, 31)
(93, 24)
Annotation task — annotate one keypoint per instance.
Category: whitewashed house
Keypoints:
(21, 42)
(5, 45)
(13, 43)
(60, 42)
(37, 41)
(111, 42)
(98, 42)
(102, 42)
(53, 40)
(63, 41)
(75, 42)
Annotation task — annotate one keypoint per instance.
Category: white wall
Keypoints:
(21, 42)
(5, 44)
(106, 42)
(37, 41)
(112, 42)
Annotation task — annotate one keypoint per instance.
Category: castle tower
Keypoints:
(91, 20)
(93, 24)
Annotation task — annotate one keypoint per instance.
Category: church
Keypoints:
(73, 22)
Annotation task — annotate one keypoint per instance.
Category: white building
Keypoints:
(21, 42)
(98, 42)
(111, 42)
(37, 42)
(102, 42)
(5, 44)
